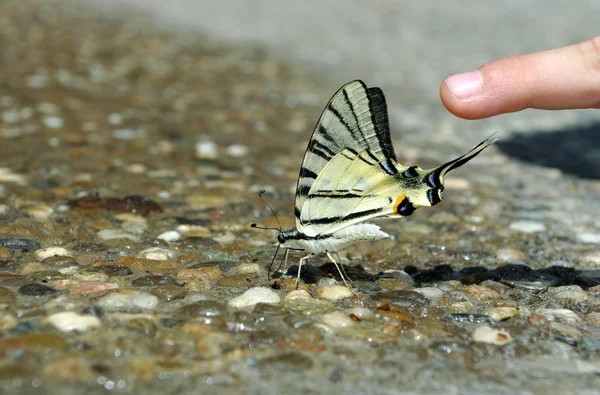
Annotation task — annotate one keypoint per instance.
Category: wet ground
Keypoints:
(130, 167)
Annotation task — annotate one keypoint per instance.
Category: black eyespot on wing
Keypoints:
(433, 195)
(410, 172)
(433, 180)
(405, 208)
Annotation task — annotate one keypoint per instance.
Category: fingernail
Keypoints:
(465, 85)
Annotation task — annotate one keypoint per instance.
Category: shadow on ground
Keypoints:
(574, 150)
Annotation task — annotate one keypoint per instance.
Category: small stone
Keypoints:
(32, 267)
(593, 318)
(40, 212)
(572, 293)
(57, 262)
(561, 315)
(394, 284)
(88, 288)
(200, 273)
(486, 334)
(334, 292)
(214, 345)
(568, 331)
(589, 237)
(509, 255)
(337, 320)
(5, 255)
(89, 276)
(149, 265)
(480, 292)
(501, 313)
(238, 280)
(236, 150)
(36, 290)
(153, 280)
(20, 244)
(136, 226)
(527, 226)
(125, 300)
(254, 296)
(431, 293)
(156, 254)
(593, 258)
(68, 321)
(246, 268)
(469, 318)
(7, 321)
(169, 236)
(110, 234)
(7, 175)
(44, 253)
(297, 294)
(206, 150)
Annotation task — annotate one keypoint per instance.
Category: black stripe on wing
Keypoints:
(379, 117)
(331, 220)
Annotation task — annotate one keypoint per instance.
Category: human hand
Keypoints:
(558, 79)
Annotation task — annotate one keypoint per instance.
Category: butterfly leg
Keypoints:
(300, 267)
(340, 270)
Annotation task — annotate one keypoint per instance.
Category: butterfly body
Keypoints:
(350, 175)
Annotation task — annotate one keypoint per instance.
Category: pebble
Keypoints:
(33, 342)
(431, 293)
(561, 315)
(527, 226)
(7, 321)
(394, 284)
(169, 236)
(88, 288)
(236, 150)
(149, 265)
(253, 296)
(7, 175)
(501, 313)
(20, 244)
(589, 237)
(110, 234)
(68, 321)
(335, 292)
(206, 150)
(246, 268)
(36, 290)
(480, 292)
(137, 226)
(40, 212)
(486, 334)
(238, 280)
(593, 318)
(296, 294)
(200, 273)
(53, 122)
(5, 254)
(469, 318)
(336, 320)
(44, 253)
(156, 254)
(126, 300)
(509, 255)
(573, 293)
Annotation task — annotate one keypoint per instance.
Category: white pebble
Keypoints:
(44, 253)
(10, 117)
(334, 292)
(297, 294)
(486, 334)
(568, 292)
(431, 293)
(509, 255)
(527, 226)
(336, 320)
(170, 235)
(236, 150)
(136, 226)
(109, 234)
(253, 296)
(593, 258)
(156, 254)
(127, 299)
(68, 321)
(53, 122)
(589, 237)
(501, 313)
(36, 81)
(206, 150)
(246, 268)
(563, 315)
(115, 118)
(125, 134)
(40, 212)
(7, 175)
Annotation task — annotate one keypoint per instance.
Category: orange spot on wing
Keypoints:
(397, 202)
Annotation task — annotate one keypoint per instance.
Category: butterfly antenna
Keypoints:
(271, 264)
(260, 194)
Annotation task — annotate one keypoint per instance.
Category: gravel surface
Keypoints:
(133, 152)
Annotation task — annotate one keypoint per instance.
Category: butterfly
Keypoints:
(350, 175)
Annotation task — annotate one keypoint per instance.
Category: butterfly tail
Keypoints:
(435, 177)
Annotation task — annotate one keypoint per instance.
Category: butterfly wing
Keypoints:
(355, 186)
(356, 118)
